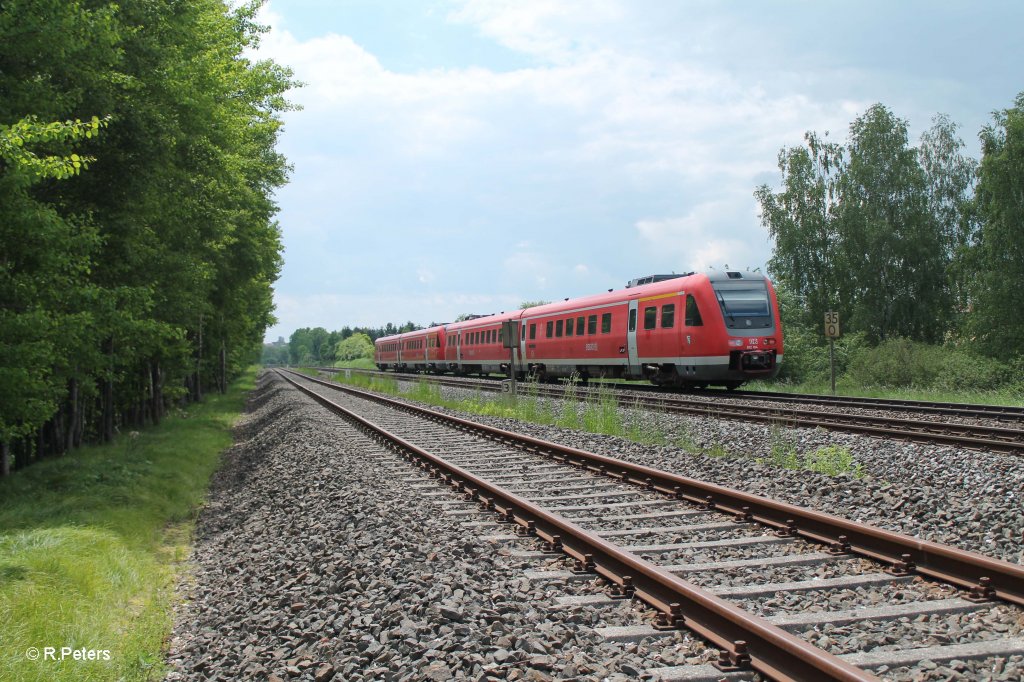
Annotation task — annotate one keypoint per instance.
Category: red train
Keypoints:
(714, 328)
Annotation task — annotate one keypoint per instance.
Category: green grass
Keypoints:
(358, 363)
(91, 545)
(849, 388)
(831, 460)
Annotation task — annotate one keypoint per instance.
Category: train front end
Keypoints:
(752, 327)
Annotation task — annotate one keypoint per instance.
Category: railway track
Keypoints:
(972, 436)
(644, 530)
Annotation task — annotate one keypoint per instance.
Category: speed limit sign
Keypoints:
(832, 325)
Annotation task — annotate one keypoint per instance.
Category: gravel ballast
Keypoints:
(314, 560)
(968, 499)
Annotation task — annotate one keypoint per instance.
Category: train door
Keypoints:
(458, 350)
(521, 346)
(634, 359)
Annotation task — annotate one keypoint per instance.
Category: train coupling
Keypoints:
(755, 360)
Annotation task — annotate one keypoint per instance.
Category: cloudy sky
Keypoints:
(463, 156)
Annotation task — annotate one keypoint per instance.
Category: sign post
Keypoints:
(832, 332)
(510, 339)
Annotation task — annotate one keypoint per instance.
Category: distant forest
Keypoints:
(317, 346)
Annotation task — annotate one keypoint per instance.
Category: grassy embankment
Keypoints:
(91, 545)
(359, 363)
(845, 387)
(601, 414)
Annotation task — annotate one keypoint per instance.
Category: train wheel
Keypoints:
(733, 385)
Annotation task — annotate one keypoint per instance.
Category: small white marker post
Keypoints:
(832, 333)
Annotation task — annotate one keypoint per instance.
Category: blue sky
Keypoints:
(463, 156)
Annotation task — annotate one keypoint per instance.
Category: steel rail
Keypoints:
(982, 576)
(975, 437)
(973, 410)
(745, 638)
(923, 406)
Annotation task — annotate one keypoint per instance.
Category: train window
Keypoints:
(651, 317)
(606, 323)
(522, 334)
(558, 327)
(549, 329)
(568, 327)
(580, 325)
(668, 315)
(692, 312)
(632, 320)
(533, 331)
(592, 324)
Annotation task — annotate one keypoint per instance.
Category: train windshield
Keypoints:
(746, 307)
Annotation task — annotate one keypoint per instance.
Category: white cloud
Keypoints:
(528, 266)
(709, 236)
(333, 311)
(659, 116)
(543, 28)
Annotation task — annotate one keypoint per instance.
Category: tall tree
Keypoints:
(864, 228)
(949, 178)
(801, 221)
(895, 270)
(153, 270)
(998, 318)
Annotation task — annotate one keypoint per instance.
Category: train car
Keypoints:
(692, 330)
(695, 330)
(387, 352)
(474, 346)
(416, 351)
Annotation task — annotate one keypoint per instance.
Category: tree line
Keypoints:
(909, 243)
(137, 164)
(317, 346)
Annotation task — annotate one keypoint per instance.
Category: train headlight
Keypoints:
(736, 343)
(769, 342)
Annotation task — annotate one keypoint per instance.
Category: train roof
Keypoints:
(413, 334)
(650, 285)
(618, 295)
(484, 320)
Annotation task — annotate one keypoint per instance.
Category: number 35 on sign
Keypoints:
(832, 325)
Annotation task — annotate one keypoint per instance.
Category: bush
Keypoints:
(805, 356)
(902, 363)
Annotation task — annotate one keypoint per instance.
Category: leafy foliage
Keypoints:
(902, 363)
(137, 165)
(354, 347)
(873, 227)
(998, 258)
